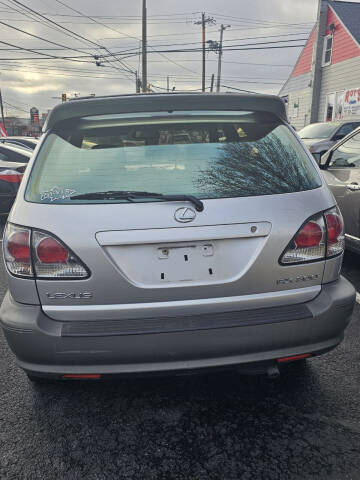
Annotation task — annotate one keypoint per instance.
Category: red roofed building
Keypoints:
(325, 82)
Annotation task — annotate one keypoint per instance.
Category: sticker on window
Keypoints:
(56, 193)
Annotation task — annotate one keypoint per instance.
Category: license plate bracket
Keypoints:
(186, 263)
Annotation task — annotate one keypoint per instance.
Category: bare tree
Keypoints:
(264, 167)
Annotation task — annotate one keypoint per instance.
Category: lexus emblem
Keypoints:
(184, 215)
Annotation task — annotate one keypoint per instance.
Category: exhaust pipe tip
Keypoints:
(273, 372)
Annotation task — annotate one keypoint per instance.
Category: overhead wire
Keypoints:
(171, 44)
(41, 38)
(47, 23)
(81, 37)
(122, 33)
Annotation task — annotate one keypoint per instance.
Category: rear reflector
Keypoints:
(294, 357)
(85, 376)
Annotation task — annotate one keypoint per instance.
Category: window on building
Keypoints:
(296, 109)
(339, 105)
(328, 45)
(329, 112)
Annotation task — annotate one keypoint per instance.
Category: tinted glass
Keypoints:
(13, 156)
(318, 130)
(209, 157)
(347, 155)
(345, 129)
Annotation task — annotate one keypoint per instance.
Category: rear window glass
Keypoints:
(209, 156)
(12, 155)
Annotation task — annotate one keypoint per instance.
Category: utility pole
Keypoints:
(212, 83)
(137, 82)
(316, 69)
(204, 20)
(167, 84)
(2, 110)
(222, 28)
(144, 46)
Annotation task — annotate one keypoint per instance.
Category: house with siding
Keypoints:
(324, 84)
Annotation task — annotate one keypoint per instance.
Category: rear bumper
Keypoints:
(45, 346)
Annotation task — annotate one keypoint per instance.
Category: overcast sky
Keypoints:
(40, 80)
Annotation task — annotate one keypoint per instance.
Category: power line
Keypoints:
(16, 108)
(55, 23)
(171, 44)
(51, 70)
(47, 23)
(70, 31)
(193, 50)
(95, 21)
(41, 38)
(66, 75)
(260, 21)
(121, 33)
(47, 56)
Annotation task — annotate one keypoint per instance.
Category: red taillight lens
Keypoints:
(335, 232)
(309, 236)
(17, 250)
(335, 227)
(308, 244)
(50, 250)
(11, 176)
(18, 246)
(52, 259)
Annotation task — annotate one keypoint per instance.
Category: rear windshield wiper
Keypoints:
(130, 195)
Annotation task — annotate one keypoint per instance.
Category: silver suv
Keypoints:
(129, 250)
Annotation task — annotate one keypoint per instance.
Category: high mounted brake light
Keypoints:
(31, 253)
(321, 237)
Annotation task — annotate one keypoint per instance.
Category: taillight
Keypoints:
(50, 250)
(322, 236)
(336, 234)
(310, 235)
(38, 254)
(308, 244)
(11, 176)
(52, 259)
(17, 250)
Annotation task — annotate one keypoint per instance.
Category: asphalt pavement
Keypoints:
(222, 426)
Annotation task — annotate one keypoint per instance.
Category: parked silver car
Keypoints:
(129, 251)
(24, 142)
(341, 167)
(319, 137)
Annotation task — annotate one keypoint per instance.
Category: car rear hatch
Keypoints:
(148, 256)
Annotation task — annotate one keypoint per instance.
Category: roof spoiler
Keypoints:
(165, 103)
